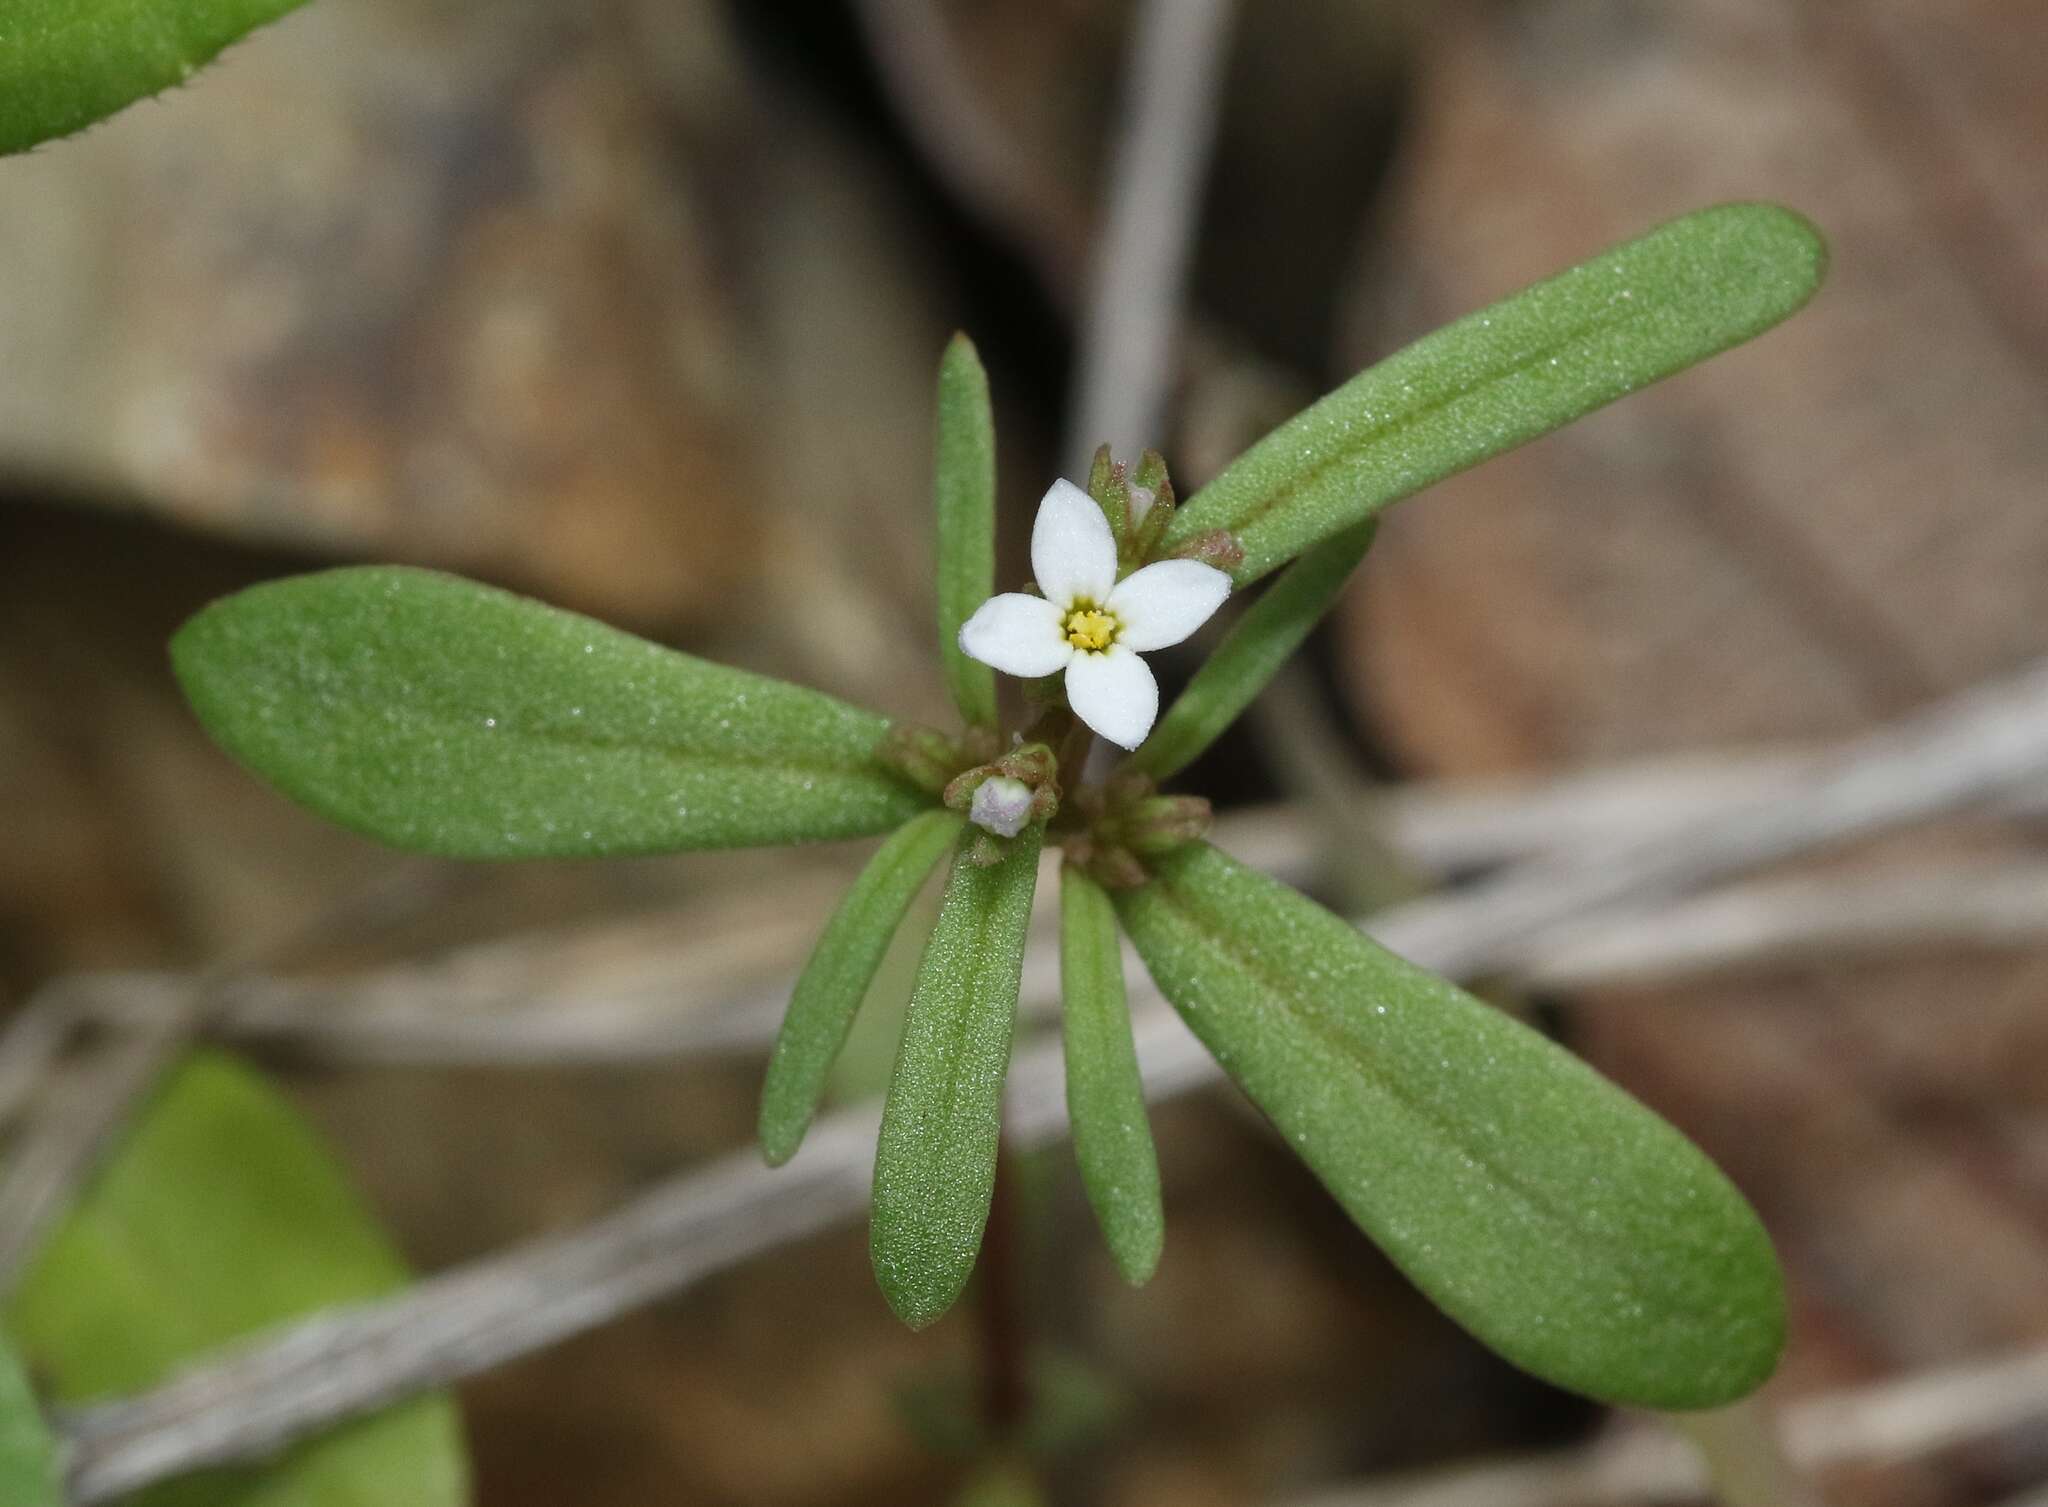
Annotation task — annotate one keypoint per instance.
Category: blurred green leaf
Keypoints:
(1105, 1095)
(1540, 1206)
(452, 718)
(1511, 372)
(28, 1455)
(1258, 644)
(67, 63)
(935, 1161)
(220, 1214)
(836, 979)
(964, 485)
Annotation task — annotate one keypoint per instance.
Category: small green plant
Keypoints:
(1561, 1222)
(221, 1212)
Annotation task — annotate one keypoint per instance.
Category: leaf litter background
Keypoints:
(636, 306)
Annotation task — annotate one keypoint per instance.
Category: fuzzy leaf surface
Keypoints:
(222, 1213)
(964, 488)
(67, 63)
(1251, 654)
(1520, 368)
(447, 717)
(1536, 1203)
(836, 979)
(28, 1455)
(935, 1160)
(1105, 1094)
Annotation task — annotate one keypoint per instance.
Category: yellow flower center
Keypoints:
(1091, 629)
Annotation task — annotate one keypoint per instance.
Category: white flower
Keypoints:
(1090, 624)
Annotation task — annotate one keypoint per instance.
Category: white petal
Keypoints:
(1163, 603)
(1017, 634)
(1073, 553)
(1115, 694)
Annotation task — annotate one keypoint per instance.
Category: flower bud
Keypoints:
(1218, 547)
(930, 758)
(1114, 867)
(1106, 485)
(1002, 805)
(1165, 822)
(925, 757)
(1024, 780)
(1150, 517)
(1034, 764)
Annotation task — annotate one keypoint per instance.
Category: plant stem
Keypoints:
(1073, 753)
(1050, 725)
(1006, 1388)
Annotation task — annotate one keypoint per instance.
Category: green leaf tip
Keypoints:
(1105, 1093)
(836, 979)
(67, 63)
(220, 1213)
(1553, 1216)
(935, 1160)
(964, 491)
(443, 716)
(1508, 373)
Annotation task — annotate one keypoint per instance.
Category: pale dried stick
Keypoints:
(256, 1398)
(1644, 1463)
(1141, 259)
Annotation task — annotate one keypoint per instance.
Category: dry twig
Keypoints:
(56, 1144)
(84, 1111)
(1984, 741)
(304, 1376)
(415, 1018)
(1141, 260)
(1645, 1462)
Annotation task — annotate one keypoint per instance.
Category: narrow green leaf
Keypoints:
(67, 63)
(1251, 654)
(1504, 375)
(220, 1214)
(1105, 1095)
(28, 1455)
(935, 1161)
(867, 1059)
(836, 979)
(1540, 1206)
(452, 718)
(965, 487)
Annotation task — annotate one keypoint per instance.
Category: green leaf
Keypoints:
(1539, 1205)
(451, 718)
(1105, 1095)
(67, 63)
(964, 483)
(836, 979)
(1509, 373)
(220, 1214)
(1252, 653)
(28, 1455)
(935, 1161)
